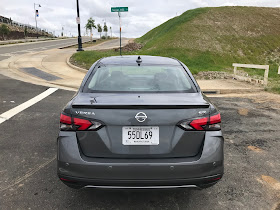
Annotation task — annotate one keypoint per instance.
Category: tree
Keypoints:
(105, 29)
(99, 29)
(90, 25)
(25, 31)
(4, 30)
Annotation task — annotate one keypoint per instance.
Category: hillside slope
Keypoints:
(214, 38)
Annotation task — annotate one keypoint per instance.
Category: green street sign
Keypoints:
(119, 9)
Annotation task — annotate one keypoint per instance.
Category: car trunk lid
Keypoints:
(164, 111)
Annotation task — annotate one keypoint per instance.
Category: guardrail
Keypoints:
(252, 66)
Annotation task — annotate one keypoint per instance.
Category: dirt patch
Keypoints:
(264, 99)
(255, 149)
(243, 111)
(130, 47)
(271, 182)
(257, 145)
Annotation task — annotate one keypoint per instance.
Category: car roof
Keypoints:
(146, 60)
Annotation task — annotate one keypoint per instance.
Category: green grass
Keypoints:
(211, 39)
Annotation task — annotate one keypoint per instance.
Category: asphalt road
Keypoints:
(28, 152)
(16, 49)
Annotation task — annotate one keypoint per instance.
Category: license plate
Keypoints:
(140, 135)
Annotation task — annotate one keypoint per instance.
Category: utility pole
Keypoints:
(36, 12)
(80, 47)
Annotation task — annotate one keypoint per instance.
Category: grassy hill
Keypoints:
(211, 39)
(214, 38)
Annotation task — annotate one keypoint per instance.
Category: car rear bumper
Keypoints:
(76, 170)
(198, 183)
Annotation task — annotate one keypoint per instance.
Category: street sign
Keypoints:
(78, 20)
(119, 9)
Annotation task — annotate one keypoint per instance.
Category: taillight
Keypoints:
(66, 124)
(214, 124)
(199, 124)
(203, 124)
(82, 124)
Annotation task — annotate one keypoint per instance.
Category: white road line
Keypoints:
(12, 112)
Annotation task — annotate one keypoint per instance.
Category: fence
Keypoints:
(9, 21)
(252, 66)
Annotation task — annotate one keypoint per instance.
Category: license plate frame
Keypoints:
(140, 136)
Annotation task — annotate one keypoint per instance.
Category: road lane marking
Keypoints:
(12, 112)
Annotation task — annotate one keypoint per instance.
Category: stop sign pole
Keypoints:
(119, 10)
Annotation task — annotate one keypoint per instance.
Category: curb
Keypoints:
(75, 67)
(230, 91)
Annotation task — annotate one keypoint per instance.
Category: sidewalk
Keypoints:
(54, 63)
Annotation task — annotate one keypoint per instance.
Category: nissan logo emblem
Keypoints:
(141, 117)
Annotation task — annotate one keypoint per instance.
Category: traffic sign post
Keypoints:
(119, 10)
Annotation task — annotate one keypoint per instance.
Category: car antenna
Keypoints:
(139, 60)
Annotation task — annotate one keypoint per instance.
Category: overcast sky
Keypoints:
(143, 15)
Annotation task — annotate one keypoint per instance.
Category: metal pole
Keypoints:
(36, 20)
(120, 34)
(80, 47)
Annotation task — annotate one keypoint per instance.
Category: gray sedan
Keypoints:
(140, 122)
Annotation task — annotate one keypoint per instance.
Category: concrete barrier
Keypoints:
(252, 66)
(279, 70)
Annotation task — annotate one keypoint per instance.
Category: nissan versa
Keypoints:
(140, 122)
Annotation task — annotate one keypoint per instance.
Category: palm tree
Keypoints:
(90, 25)
(105, 29)
(99, 29)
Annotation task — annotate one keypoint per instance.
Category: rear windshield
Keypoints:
(116, 78)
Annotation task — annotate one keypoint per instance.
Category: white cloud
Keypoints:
(143, 15)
